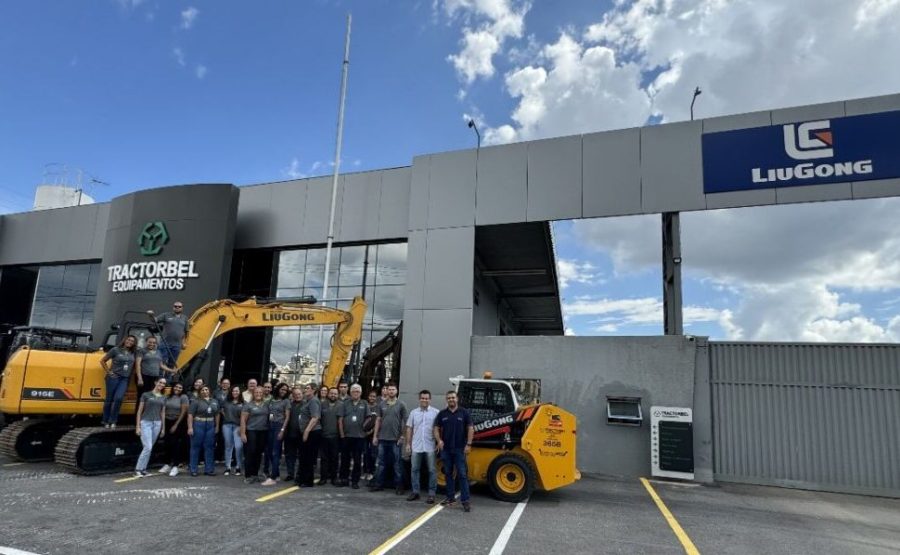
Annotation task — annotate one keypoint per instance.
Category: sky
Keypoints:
(131, 94)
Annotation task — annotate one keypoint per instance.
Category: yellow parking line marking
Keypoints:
(133, 478)
(272, 496)
(12, 464)
(686, 542)
(406, 531)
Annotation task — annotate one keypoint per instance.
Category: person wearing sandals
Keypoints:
(151, 413)
(203, 424)
(117, 363)
(231, 431)
(279, 409)
(176, 429)
(254, 432)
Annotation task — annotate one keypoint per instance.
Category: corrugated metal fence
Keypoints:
(812, 416)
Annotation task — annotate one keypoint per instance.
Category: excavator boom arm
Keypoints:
(222, 316)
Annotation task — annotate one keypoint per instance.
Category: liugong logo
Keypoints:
(810, 141)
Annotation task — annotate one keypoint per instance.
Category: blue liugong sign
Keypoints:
(854, 148)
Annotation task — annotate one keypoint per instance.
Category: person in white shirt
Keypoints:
(420, 445)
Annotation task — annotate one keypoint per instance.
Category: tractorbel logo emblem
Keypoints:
(152, 238)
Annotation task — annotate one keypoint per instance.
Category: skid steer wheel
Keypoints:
(511, 478)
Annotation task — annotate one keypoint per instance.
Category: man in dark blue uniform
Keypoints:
(453, 432)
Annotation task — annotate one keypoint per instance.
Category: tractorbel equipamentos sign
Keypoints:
(160, 275)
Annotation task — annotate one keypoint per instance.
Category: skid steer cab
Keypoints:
(520, 444)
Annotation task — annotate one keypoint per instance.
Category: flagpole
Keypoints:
(334, 184)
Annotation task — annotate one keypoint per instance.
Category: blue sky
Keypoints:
(146, 93)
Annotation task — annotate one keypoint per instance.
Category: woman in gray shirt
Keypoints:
(254, 432)
(151, 414)
(279, 409)
(231, 431)
(117, 363)
(149, 365)
(176, 429)
(203, 425)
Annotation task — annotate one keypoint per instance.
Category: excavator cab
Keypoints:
(143, 329)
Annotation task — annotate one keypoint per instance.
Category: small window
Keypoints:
(624, 411)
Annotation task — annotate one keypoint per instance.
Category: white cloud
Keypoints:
(179, 56)
(293, 170)
(188, 17)
(570, 332)
(129, 4)
(488, 24)
(569, 271)
(644, 57)
(613, 314)
(201, 71)
(789, 267)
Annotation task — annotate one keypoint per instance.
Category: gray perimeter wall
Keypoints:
(577, 373)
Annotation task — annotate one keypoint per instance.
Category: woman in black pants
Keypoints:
(311, 432)
(254, 433)
(176, 429)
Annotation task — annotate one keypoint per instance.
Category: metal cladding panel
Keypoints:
(318, 210)
(449, 256)
(811, 416)
(451, 190)
(875, 189)
(737, 121)
(554, 179)
(415, 270)
(446, 344)
(418, 192)
(54, 236)
(409, 355)
(814, 193)
(502, 188)
(254, 217)
(360, 207)
(393, 210)
(612, 173)
(806, 113)
(872, 105)
(288, 202)
(737, 199)
(671, 168)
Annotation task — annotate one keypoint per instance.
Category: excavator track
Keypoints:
(33, 440)
(97, 450)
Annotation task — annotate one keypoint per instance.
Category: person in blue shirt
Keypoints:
(453, 432)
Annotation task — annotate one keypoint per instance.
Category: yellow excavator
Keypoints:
(60, 394)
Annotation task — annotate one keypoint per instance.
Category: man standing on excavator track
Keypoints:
(175, 327)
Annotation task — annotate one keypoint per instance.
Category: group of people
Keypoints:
(351, 438)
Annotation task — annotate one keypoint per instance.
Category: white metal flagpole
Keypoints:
(334, 184)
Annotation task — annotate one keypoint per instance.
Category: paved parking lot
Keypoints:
(44, 510)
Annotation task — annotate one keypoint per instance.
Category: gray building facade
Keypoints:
(479, 288)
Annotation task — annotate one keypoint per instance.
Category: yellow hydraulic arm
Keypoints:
(222, 316)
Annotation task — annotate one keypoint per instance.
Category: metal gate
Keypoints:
(811, 416)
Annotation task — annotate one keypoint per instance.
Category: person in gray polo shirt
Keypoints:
(392, 415)
(353, 437)
(331, 410)
(175, 327)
